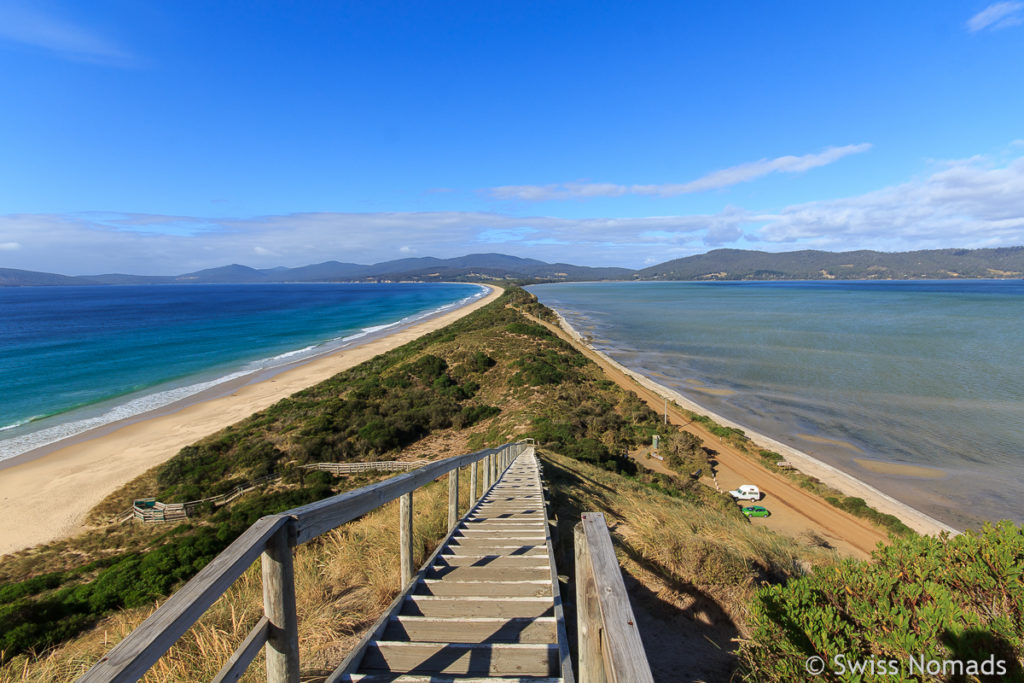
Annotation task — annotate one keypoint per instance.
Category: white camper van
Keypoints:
(746, 492)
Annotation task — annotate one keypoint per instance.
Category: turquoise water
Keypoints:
(74, 358)
(921, 373)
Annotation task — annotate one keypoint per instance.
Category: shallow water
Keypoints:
(915, 373)
(74, 358)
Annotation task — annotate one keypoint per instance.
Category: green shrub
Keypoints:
(470, 415)
(528, 329)
(926, 598)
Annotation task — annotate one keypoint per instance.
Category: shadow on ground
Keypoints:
(687, 635)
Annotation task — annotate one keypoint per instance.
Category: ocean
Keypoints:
(866, 376)
(76, 358)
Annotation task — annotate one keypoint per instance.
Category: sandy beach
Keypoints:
(837, 479)
(45, 495)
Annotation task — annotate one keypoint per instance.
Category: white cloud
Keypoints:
(966, 203)
(974, 202)
(997, 16)
(733, 175)
(30, 26)
(84, 245)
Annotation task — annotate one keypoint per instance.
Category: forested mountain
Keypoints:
(472, 267)
(938, 264)
(720, 264)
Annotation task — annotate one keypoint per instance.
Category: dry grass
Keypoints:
(343, 582)
(684, 543)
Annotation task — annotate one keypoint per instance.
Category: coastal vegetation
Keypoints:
(493, 376)
(919, 601)
(453, 379)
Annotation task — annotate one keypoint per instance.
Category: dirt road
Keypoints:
(795, 512)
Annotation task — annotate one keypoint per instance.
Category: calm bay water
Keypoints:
(858, 374)
(73, 358)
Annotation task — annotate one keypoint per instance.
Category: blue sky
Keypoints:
(165, 137)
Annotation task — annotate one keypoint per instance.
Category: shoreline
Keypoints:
(45, 493)
(805, 463)
(201, 386)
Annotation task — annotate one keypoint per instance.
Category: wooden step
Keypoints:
(506, 513)
(417, 678)
(488, 573)
(503, 522)
(492, 560)
(450, 606)
(487, 549)
(490, 532)
(536, 588)
(496, 659)
(512, 547)
(471, 629)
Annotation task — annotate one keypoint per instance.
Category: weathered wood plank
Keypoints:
(535, 588)
(506, 607)
(453, 499)
(473, 497)
(417, 678)
(471, 629)
(279, 607)
(133, 656)
(462, 658)
(588, 614)
(239, 661)
(493, 561)
(622, 647)
(405, 537)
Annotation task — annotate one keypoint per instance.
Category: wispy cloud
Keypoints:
(29, 26)
(973, 202)
(997, 16)
(967, 203)
(733, 175)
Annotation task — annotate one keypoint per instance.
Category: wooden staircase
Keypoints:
(484, 607)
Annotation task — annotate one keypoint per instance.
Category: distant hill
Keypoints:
(12, 277)
(720, 264)
(937, 264)
(473, 267)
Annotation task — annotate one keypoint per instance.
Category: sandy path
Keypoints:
(795, 512)
(47, 498)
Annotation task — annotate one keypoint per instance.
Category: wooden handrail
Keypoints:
(272, 538)
(610, 648)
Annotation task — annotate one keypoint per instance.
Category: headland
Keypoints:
(45, 494)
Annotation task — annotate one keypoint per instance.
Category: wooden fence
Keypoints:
(152, 510)
(271, 539)
(610, 648)
(350, 467)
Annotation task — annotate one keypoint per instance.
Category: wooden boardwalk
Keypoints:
(485, 606)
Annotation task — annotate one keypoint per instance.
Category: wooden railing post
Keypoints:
(588, 614)
(405, 536)
(486, 473)
(282, 647)
(453, 498)
(610, 648)
(472, 484)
